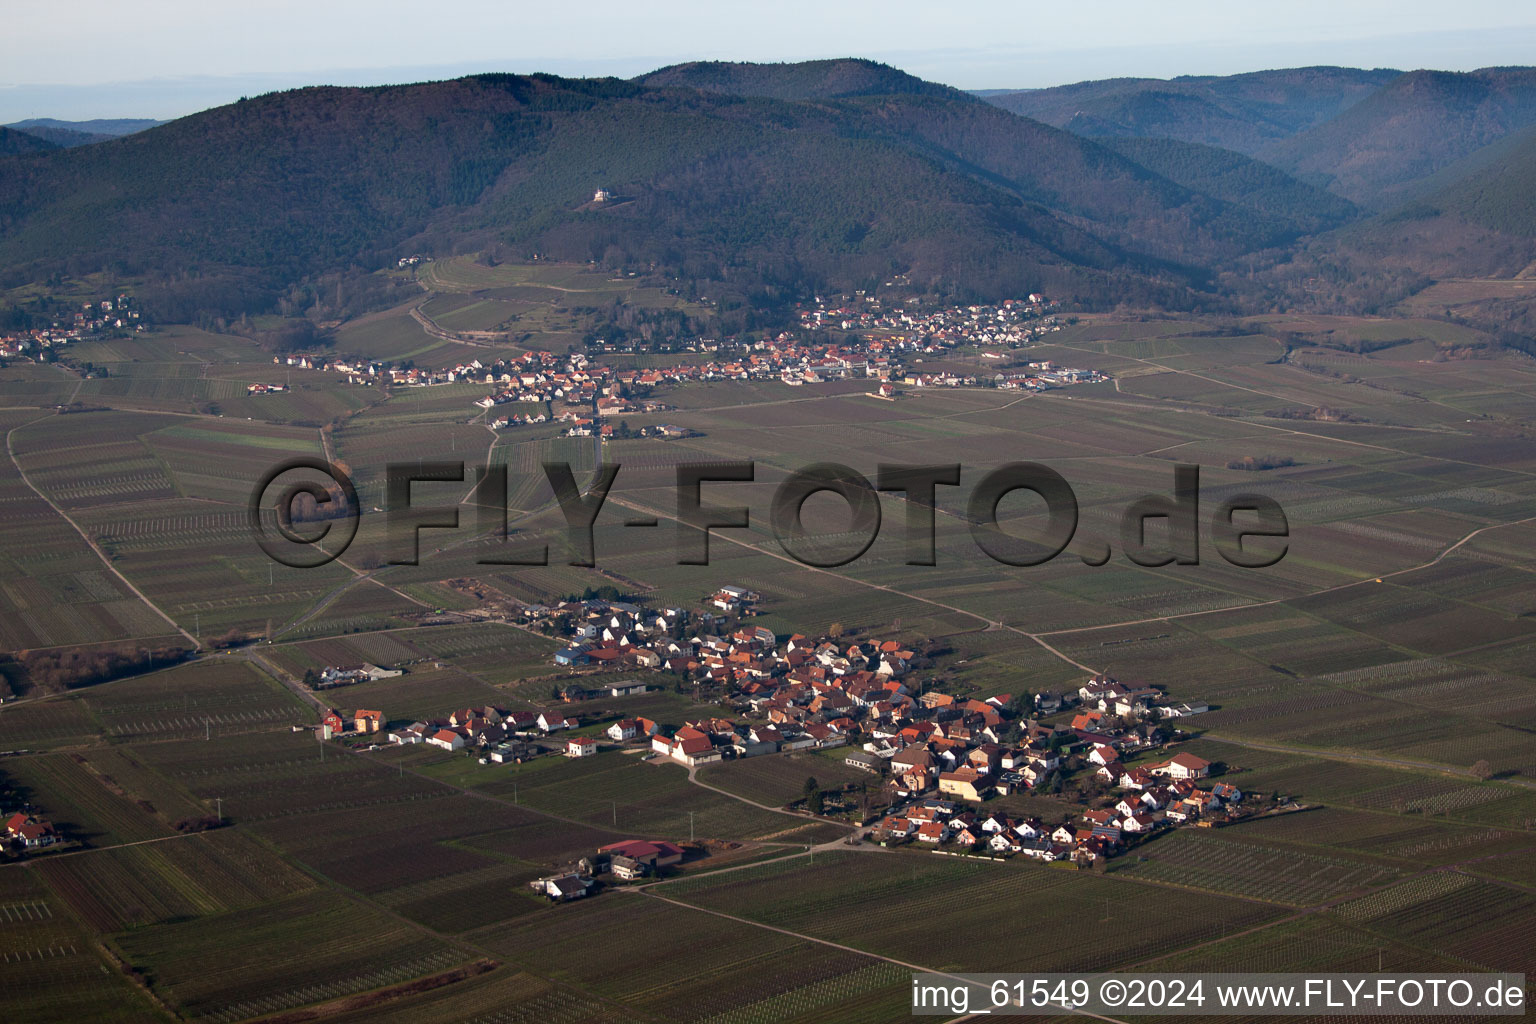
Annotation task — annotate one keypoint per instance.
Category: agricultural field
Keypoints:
(502, 996)
(47, 724)
(778, 780)
(50, 969)
(622, 792)
(85, 805)
(346, 845)
(695, 968)
(1479, 922)
(55, 589)
(1311, 944)
(422, 694)
(496, 653)
(1219, 863)
(1382, 672)
(256, 776)
(199, 699)
(299, 949)
(891, 905)
(191, 876)
(1404, 837)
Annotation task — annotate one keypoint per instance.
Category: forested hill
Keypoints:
(1240, 180)
(1385, 148)
(1245, 112)
(13, 142)
(775, 194)
(1476, 218)
(1495, 188)
(807, 80)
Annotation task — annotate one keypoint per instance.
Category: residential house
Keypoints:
(448, 739)
(1183, 766)
(933, 832)
(563, 888)
(964, 782)
(31, 831)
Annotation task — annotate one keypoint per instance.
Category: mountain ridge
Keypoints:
(845, 189)
(1242, 112)
(1381, 150)
(15, 143)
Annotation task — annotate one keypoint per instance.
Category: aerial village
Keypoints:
(888, 346)
(936, 762)
(91, 320)
(879, 341)
(938, 758)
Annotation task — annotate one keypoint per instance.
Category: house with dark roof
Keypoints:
(563, 888)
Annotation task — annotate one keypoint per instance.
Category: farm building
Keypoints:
(563, 888)
(656, 853)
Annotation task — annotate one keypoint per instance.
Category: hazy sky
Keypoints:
(163, 58)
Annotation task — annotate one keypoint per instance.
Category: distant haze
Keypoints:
(172, 57)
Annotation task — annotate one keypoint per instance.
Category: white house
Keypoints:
(1183, 766)
(447, 739)
(1102, 754)
(549, 721)
(563, 887)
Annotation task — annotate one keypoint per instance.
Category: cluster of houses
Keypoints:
(500, 735)
(575, 390)
(938, 757)
(544, 378)
(627, 861)
(1153, 797)
(364, 371)
(809, 694)
(29, 832)
(623, 635)
(345, 675)
(91, 320)
(637, 858)
(1034, 376)
(362, 722)
(1011, 323)
(747, 661)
